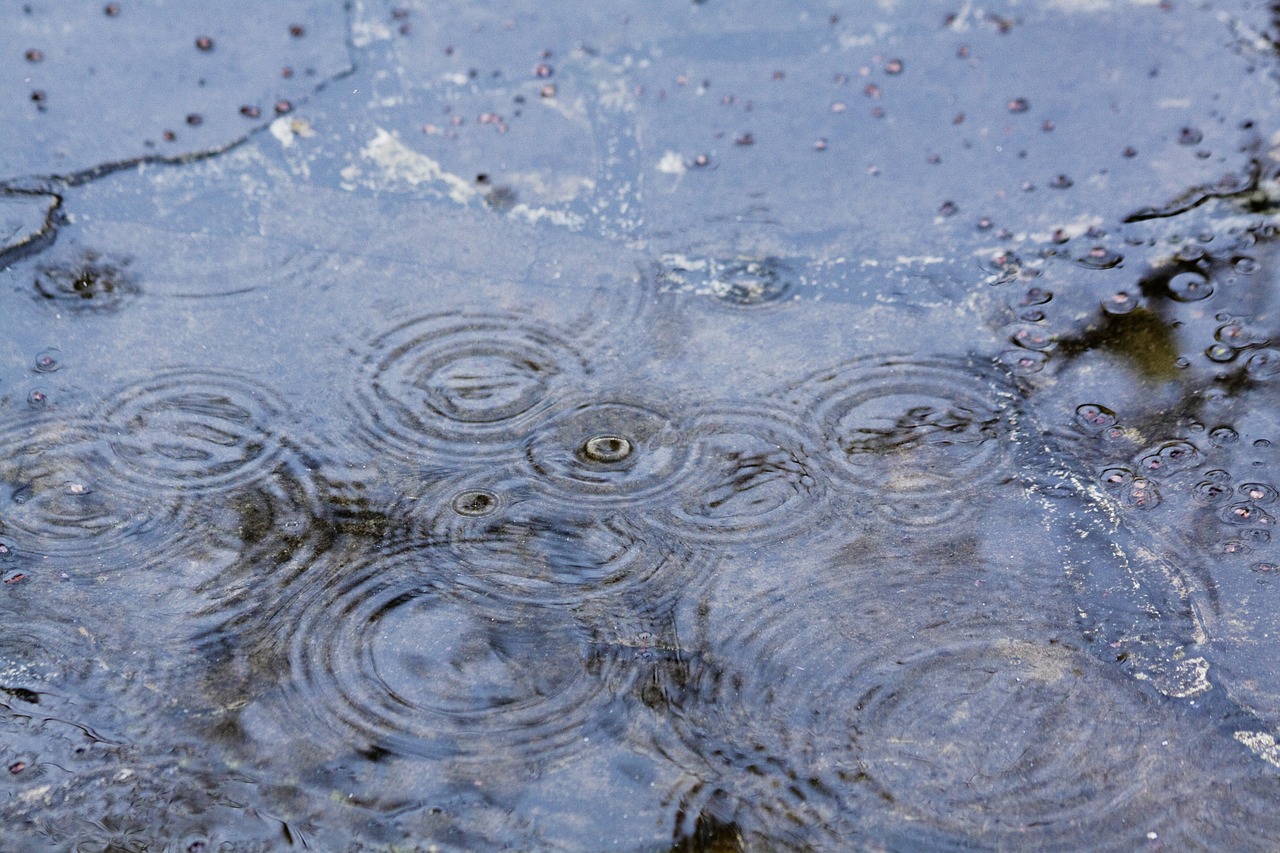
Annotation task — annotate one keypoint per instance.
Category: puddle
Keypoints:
(777, 427)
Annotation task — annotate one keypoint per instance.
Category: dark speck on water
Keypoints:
(464, 426)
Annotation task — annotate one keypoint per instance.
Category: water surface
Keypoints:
(656, 427)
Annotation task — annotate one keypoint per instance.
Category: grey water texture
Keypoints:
(655, 426)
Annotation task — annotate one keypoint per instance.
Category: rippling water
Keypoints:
(706, 427)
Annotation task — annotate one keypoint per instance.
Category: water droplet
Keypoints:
(1190, 136)
(1019, 105)
(204, 43)
(748, 282)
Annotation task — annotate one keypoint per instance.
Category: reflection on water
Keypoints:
(590, 429)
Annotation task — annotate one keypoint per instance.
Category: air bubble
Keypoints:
(1024, 362)
(1223, 435)
(1033, 338)
(1220, 353)
(1171, 457)
(1263, 364)
(1190, 287)
(1036, 296)
(606, 449)
(1142, 494)
(1246, 513)
(1116, 477)
(1238, 334)
(1210, 492)
(475, 503)
(1094, 417)
(1258, 492)
(48, 361)
(1101, 258)
(1121, 302)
